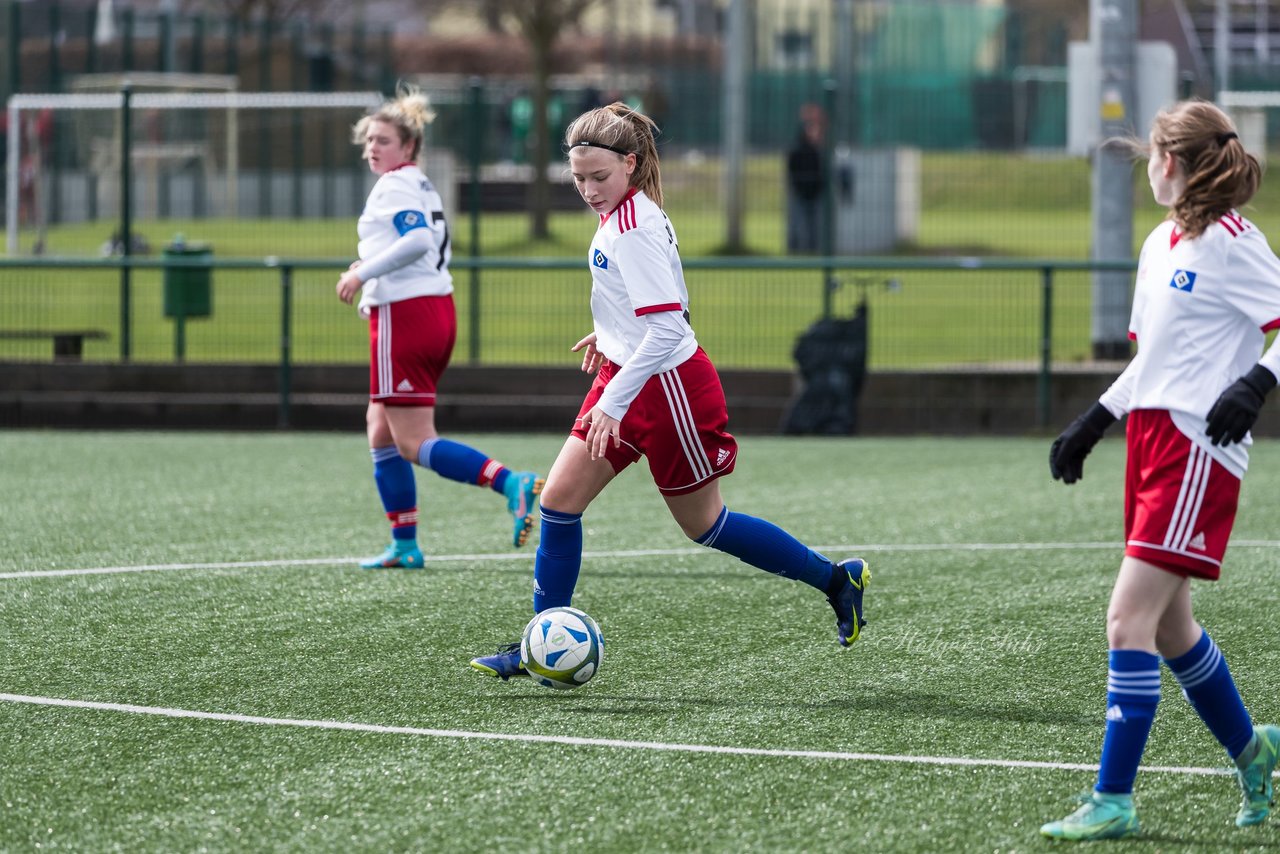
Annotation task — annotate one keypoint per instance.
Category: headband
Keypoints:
(1224, 138)
(590, 144)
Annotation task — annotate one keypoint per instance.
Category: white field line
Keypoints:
(622, 553)
(619, 744)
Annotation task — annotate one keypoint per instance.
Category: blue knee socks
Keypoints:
(393, 475)
(766, 546)
(1207, 683)
(462, 463)
(559, 558)
(1133, 691)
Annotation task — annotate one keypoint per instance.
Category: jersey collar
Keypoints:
(605, 217)
(402, 165)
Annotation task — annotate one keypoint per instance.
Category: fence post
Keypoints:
(126, 218)
(828, 198)
(126, 40)
(264, 139)
(286, 344)
(91, 47)
(197, 44)
(55, 46)
(1043, 391)
(13, 62)
(474, 145)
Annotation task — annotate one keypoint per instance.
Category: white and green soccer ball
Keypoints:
(562, 648)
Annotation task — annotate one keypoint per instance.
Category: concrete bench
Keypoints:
(67, 343)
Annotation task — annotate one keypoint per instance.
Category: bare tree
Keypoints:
(541, 23)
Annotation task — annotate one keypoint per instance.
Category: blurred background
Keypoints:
(943, 130)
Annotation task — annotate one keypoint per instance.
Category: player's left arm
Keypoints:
(1253, 286)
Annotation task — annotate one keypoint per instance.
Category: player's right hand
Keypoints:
(1066, 455)
(592, 358)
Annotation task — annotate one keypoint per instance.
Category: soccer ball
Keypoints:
(562, 648)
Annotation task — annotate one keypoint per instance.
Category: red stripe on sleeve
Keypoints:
(1275, 324)
(654, 309)
(1133, 336)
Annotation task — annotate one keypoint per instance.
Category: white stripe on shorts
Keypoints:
(385, 377)
(686, 426)
(1195, 481)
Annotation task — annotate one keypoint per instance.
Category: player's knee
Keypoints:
(1129, 631)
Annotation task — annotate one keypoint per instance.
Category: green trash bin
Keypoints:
(188, 291)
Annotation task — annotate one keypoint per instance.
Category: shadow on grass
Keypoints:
(890, 701)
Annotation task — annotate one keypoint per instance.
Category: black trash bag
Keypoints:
(832, 355)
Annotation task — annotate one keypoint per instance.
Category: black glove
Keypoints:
(1237, 408)
(1066, 456)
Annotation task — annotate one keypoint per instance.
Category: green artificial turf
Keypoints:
(725, 717)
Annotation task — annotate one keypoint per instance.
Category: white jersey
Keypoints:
(1201, 310)
(635, 270)
(402, 202)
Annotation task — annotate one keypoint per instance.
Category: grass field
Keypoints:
(190, 661)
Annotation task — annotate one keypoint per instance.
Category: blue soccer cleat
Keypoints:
(847, 603)
(504, 664)
(396, 557)
(521, 488)
(1253, 770)
(1102, 815)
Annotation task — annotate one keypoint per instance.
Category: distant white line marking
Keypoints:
(465, 558)
(350, 726)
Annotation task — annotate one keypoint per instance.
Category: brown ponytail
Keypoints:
(1221, 175)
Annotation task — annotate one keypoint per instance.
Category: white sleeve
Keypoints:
(664, 330)
(406, 249)
(643, 259)
(1116, 399)
(1271, 359)
(1253, 287)
(1252, 280)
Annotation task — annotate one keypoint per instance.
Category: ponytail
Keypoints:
(409, 112)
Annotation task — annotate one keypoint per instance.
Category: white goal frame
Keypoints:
(232, 102)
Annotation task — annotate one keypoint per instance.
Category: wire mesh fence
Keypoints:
(923, 314)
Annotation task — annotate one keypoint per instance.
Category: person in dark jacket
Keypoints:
(806, 176)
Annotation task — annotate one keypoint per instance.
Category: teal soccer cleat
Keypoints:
(847, 603)
(503, 664)
(1101, 816)
(396, 557)
(1253, 770)
(521, 488)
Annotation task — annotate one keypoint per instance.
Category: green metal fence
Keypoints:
(925, 313)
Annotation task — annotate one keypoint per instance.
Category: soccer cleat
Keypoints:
(520, 489)
(1102, 815)
(504, 664)
(393, 558)
(1255, 775)
(847, 603)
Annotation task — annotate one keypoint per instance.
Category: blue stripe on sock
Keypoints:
(1207, 684)
(1133, 692)
(558, 560)
(766, 546)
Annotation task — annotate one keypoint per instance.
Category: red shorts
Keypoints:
(410, 343)
(678, 421)
(1179, 503)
